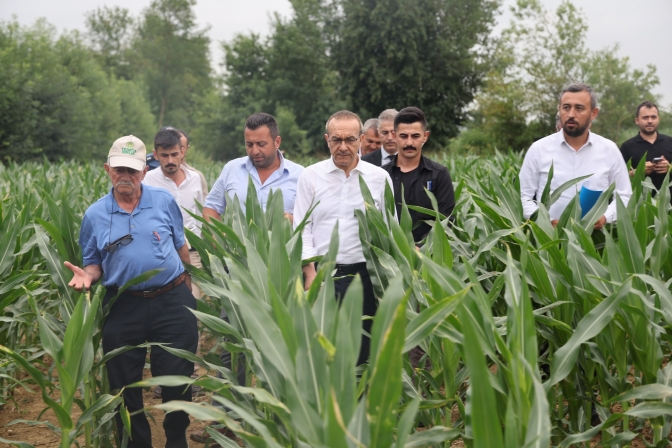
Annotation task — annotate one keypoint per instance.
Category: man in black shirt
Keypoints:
(657, 147)
(417, 173)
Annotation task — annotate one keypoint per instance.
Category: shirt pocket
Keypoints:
(161, 242)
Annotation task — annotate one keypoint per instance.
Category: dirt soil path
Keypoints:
(29, 405)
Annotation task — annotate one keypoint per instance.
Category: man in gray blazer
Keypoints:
(382, 156)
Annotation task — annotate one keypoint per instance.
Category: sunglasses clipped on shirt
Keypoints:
(123, 241)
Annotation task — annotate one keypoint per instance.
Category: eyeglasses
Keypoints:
(123, 241)
(350, 141)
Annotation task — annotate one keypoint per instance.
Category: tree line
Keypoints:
(70, 95)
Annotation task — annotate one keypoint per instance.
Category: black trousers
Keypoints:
(342, 279)
(135, 320)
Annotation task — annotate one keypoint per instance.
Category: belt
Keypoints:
(150, 294)
(351, 267)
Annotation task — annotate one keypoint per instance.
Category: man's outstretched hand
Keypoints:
(81, 278)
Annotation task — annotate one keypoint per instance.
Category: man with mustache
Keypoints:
(389, 148)
(134, 229)
(574, 151)
(657, 147)
(332, 186)
(184, 184)
(416, 173)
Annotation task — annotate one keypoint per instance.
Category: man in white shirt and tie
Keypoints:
(573, 152)
(333, 187)
(383, 155)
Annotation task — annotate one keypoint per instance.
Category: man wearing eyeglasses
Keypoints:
(134, 229)
(332, 186)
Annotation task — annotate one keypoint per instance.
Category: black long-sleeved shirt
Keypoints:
(430, 175)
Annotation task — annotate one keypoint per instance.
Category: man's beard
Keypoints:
(645, 132)
(577, 132)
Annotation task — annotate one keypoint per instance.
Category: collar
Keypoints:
(562, 138)
(249, 166)
(360, 167)
(145, 201)
(188, 173)
(641, 139)
(384, 153)
(423, 165)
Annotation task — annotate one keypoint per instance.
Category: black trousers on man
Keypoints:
(135, 320)
(344, 275)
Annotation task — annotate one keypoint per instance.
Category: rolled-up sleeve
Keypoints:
(305, 195)
(89, 244)
(529, 181)
(216, 199)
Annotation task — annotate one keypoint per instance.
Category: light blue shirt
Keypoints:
(233, 182)
(157, 230)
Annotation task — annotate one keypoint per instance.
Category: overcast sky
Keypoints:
(641, 29)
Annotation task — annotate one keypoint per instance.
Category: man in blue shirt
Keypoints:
(134, 229)
(269, 171)
(264, 162)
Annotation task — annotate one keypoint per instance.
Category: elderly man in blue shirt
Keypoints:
(264, 162)
(134, 229)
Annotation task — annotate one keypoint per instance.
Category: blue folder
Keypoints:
(587, 199)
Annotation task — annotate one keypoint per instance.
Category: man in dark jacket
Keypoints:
(416, 173)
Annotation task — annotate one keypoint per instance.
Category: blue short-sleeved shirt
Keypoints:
(233, 182)
(157, 230)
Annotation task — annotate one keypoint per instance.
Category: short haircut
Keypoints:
(179, 131)
(580, 87)
(371, 123)
(410, 115)
(166, 138)
(255, 121)
(345, 115)
(647, 104)
(387, 115)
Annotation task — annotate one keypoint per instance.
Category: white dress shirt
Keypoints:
(186, 194)
(337, 197)
(598, 157)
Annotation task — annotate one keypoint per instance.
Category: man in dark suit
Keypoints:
(382, 156)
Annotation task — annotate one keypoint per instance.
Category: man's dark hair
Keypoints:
(647, 104)
(580, 87)
(166, 138)
(410, 115)
(179, 131)
(255, 121)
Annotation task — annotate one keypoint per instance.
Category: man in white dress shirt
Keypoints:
(574, 151)
(184, 184)
(333, 185)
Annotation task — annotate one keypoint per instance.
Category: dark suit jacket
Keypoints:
(373, 157)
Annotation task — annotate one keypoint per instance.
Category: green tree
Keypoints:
(110, 34)
(171, 55)
(397, 53)
(536, 56)
(55, 99)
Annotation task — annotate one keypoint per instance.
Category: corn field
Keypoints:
(534, 336)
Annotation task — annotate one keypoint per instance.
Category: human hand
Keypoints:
(554, 222)
(81, 279)
(601, 222)
(187, 280)
(662, 166)
(650, 166)
(309, 273)
(289, 217)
